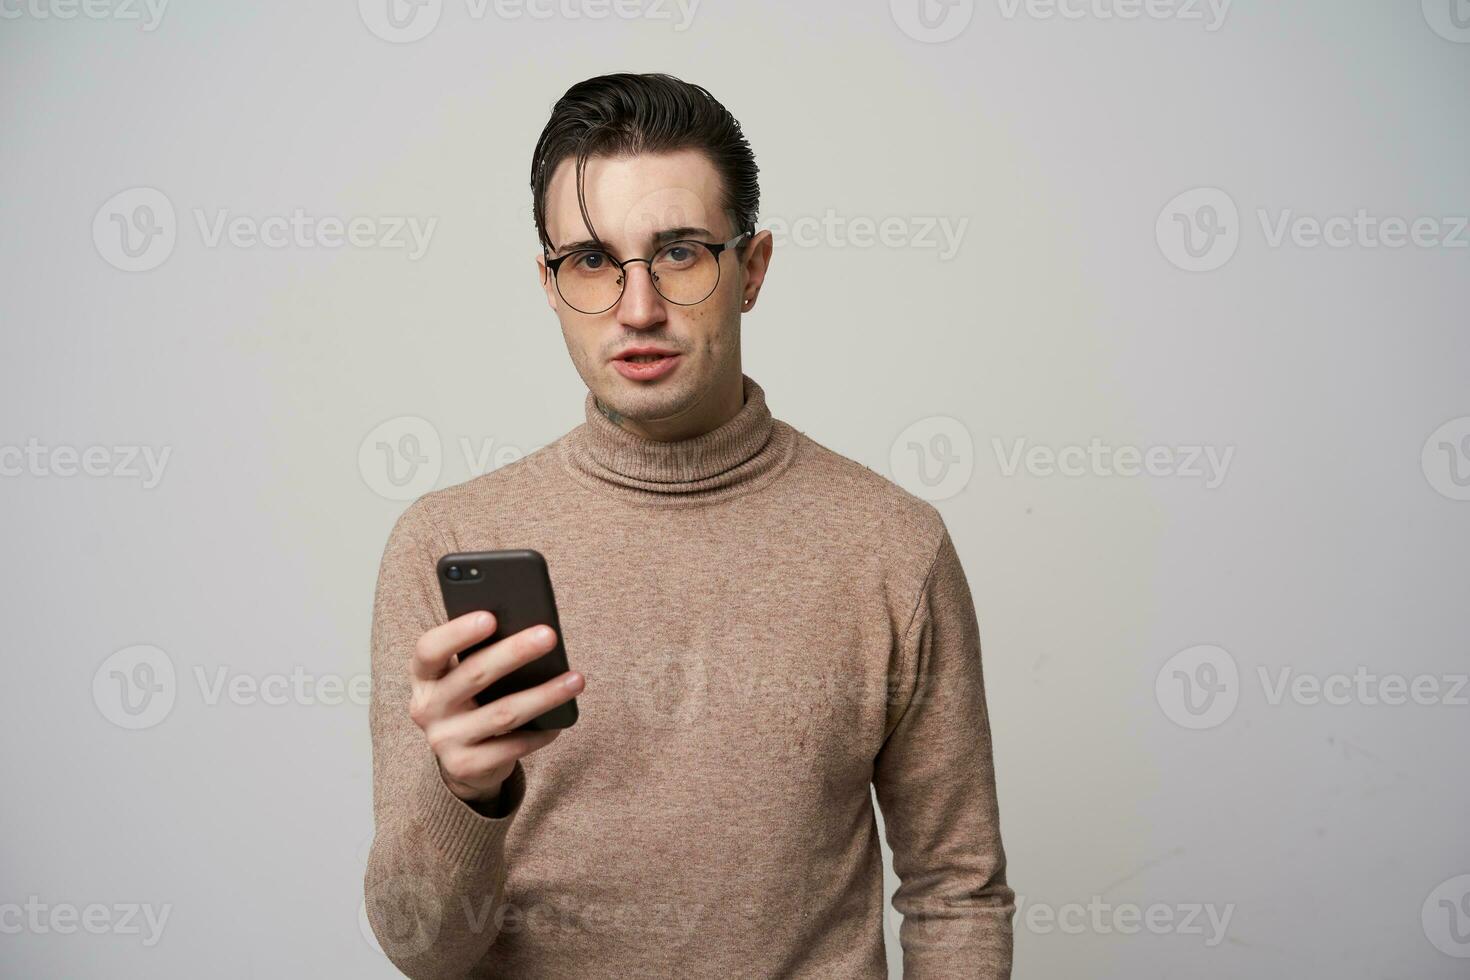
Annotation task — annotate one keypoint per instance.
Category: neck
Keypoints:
(734, 456)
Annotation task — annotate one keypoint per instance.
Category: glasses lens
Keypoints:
(685, 272)
(589, 280)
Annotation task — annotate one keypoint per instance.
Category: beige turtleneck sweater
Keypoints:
(767, 628)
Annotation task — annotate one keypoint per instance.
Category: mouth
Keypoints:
(646, 363)
(644, 355)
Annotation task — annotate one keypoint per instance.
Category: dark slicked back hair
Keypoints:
(624, 114)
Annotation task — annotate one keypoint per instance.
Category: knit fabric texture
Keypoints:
(767, 629)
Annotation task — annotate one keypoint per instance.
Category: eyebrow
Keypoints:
(659, 238)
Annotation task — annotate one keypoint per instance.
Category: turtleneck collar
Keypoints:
(744, 453)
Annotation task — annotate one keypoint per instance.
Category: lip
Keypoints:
(650, 371)
(644, 350)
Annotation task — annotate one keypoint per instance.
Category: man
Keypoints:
(759, 629)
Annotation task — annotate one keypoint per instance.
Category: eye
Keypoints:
(589, 260)
(678, 254)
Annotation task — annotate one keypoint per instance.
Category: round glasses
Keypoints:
(684, 272)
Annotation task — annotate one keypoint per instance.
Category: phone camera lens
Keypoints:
(454, 573)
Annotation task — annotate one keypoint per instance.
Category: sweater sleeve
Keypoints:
(935, 781)
(435, 878)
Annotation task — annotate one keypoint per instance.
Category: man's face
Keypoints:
(634, 202)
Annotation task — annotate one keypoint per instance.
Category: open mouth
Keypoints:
(646, 365)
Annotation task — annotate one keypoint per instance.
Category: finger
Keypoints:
(504, 715)
(473, 761)
(473, 674)
(433, 654)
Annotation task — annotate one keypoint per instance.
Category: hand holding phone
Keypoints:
(515, 586)
(475, 737)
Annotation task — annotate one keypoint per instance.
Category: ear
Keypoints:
(755, 262)
(547, 282)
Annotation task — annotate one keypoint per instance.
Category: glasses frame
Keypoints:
(715, 249)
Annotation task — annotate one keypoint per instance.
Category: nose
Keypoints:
(641, 306)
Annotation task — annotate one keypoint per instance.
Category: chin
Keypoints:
(644, 402)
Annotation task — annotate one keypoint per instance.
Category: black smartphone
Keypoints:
(515, 585)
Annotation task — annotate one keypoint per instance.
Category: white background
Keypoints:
(1335, 541)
